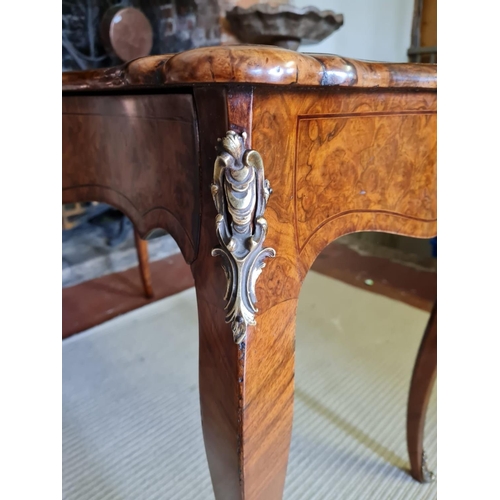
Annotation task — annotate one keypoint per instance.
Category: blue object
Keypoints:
(433, 243)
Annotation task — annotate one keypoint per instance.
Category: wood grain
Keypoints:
(93, 302)
(347, 146)
(364, 162)
(410, 282)
(429, 24)
(220, 381)
(139, 154)
(422, 382)
(252, 64)
(324, 150)
(143, 257)
(247, 391)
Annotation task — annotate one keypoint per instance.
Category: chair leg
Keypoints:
(424, 374)
(142, 254)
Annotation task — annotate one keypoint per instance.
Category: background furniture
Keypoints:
(76, 213)
(423, 47)
(142, 255)
(346, 146)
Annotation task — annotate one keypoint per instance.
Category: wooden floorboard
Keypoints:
(407, 283)
(96, 301)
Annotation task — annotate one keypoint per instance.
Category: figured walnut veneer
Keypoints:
(125, 150)
(346, 146)
(364, 162)
(252, 64)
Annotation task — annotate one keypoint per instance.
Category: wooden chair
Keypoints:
(78, 209)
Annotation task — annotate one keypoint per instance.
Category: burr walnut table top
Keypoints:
(253, 64)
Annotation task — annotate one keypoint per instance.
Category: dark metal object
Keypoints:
(283, 25)
(176, 25)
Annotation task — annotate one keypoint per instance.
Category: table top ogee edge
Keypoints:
(252, 64)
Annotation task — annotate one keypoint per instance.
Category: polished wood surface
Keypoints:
(422, 382)
(246, 389)
(391, 273)
(254, 64)
(347, 146)
(93, 302)
(143, 258)
(348, 162)
(125, 151)
(409, 281)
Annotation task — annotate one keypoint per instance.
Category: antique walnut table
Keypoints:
(254, 159)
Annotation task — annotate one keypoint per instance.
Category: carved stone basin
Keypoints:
(283, 25)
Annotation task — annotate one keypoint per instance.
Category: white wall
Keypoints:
(377, 30)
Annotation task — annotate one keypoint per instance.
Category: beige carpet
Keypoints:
(131, 428)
